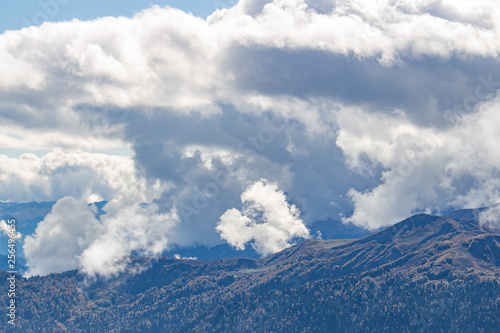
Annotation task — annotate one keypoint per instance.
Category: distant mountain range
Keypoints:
(28, 215)
(425, 274)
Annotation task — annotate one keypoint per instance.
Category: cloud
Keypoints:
(166, 58)
(4, 228)
(267, 220)
(17, 137)
(136, 229)
(385, 108)
(385, 30)
(18, 73)
(178, 256)
(379, 54)
(71, 237)
(61, 238)
(91, 176)
(490, 216)
(423, 169)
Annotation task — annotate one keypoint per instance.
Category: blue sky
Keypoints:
(245, 127)
(18, 14)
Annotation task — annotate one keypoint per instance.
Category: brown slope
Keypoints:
(404, 267)
(423, 246)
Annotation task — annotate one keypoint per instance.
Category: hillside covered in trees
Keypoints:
(424, 274)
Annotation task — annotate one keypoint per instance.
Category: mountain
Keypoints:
(326, 229)
(470, 214)
(28, 215)
(424, 274)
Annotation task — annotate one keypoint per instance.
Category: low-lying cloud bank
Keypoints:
(71, 237)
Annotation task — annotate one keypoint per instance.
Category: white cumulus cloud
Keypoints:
(70, 237)
(61, 238)
(423, 169)
(267, 220)
(137, 228)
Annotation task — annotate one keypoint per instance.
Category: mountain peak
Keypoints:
(389, 276)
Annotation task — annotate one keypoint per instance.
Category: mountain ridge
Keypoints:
(426, 272)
